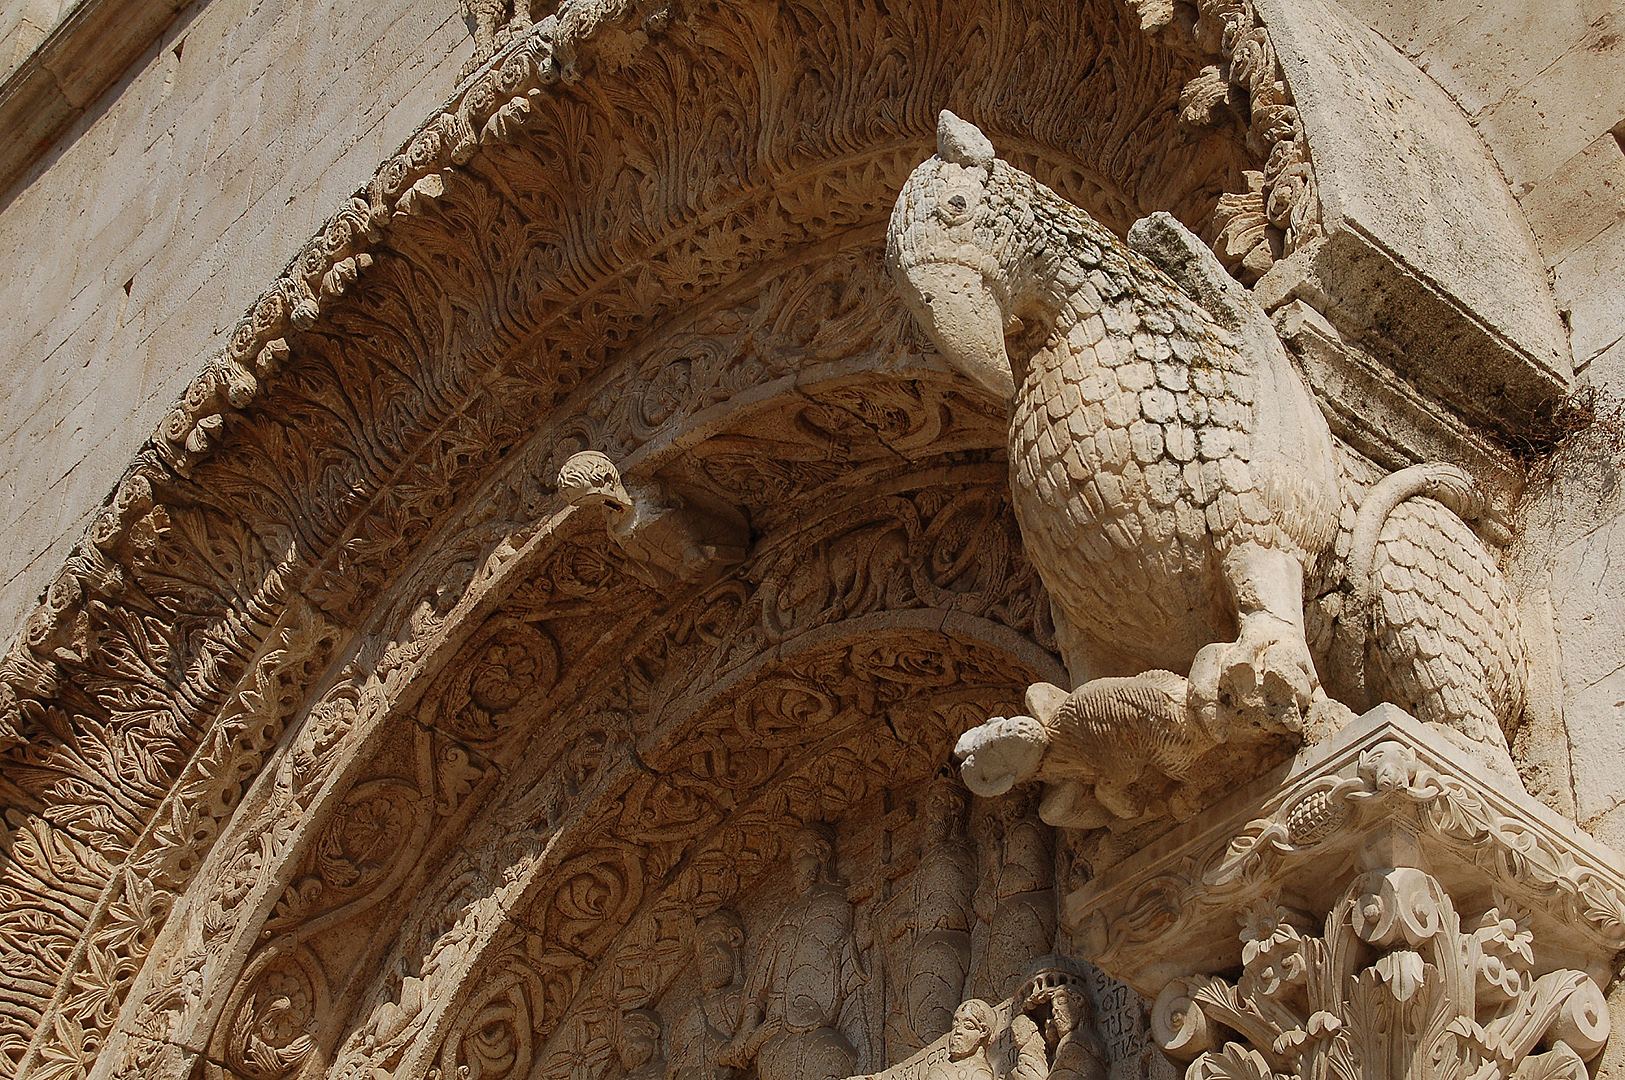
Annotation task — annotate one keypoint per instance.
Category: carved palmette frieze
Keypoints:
(120, 930)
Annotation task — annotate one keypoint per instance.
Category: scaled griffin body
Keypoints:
(1178, 491)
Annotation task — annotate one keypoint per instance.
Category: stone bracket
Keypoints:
(1384, 792)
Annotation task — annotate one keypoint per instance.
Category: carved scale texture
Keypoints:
(1131, 444)
(1445, 643)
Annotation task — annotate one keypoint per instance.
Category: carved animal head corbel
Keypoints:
(666, 538)
(589, 478)
(1005, 751)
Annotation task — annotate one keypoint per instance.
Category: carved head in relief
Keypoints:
(812, 856)
(974, 1022)
(944, 809)
(978, 248)
(717, 940)
(996, 756)
(591, 479)
(639, 1041)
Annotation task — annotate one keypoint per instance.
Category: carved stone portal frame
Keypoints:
(333, 604)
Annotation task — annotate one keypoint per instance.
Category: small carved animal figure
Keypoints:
(665, 541)
(1178, 492)
(493, 22)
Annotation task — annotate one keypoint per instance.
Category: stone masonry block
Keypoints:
(1498, 48)
(1581, 198)
(1588, 601)
(1588, 286)
(1596, 724)
(1561, 111)
(1607, 369)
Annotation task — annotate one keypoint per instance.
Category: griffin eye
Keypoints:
(954, 209)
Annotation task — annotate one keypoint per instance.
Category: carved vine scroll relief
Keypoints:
(1169, 468)
(616, 172)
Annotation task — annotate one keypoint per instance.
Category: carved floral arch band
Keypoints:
(348, 744)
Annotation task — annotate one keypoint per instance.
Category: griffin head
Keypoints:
(980, 249)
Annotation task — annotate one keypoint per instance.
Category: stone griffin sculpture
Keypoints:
(1177, 490)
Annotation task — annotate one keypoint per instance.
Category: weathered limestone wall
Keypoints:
(1545, 85)
(137, 240)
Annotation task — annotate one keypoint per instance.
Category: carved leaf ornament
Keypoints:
(1394, 985)
(1503, 847)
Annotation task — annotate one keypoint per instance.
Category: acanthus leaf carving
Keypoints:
(1431, 996)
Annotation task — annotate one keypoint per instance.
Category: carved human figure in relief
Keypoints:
(1054, 1027)
(707, 1028)
(802, 975)
(665, 541)
(928, 927)
(1177, 491)
(1014, 899)
(972, 1029)
(638, 1045)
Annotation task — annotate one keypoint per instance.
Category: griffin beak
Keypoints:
(964, 319)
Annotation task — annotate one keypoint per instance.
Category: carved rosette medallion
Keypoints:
(1401, 913)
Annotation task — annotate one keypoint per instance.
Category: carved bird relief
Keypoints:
(1178, 492)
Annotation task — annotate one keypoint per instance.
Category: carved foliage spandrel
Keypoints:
(1278, 210)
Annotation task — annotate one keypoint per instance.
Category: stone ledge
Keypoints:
(79, 59)
(1425, 248)
(1302, 833)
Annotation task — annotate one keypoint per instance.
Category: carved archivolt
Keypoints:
(342, 743)
(495, 629)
